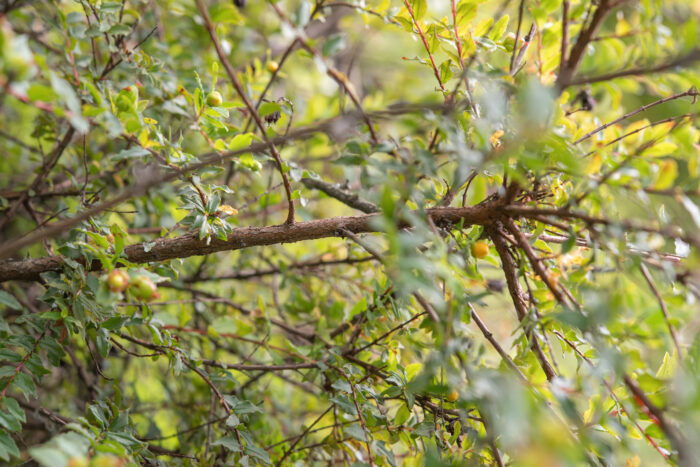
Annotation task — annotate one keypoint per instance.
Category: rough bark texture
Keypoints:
(189, 245)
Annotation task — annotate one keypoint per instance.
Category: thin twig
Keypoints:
(664, 309)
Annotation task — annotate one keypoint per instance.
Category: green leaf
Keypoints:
(483, 26)
(258, 453)
(229, 443)
(8, 448)
(419, 8)
(333, 45)
(240, 141)
(9, 301)
(356, 431)
(266, 108)
(466, 12)
(499, 28)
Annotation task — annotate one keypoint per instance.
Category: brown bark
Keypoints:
(245, 237)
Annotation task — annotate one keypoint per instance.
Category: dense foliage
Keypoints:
(349, 233)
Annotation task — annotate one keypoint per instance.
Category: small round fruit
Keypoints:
(144, 289)
(272, 66)
(106, 460)
(78, 462)
(452, 395)
(214, 99)
(117, 280)
(480, 249)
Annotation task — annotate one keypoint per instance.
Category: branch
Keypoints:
(336, 127)
(664, 309)
(190, 245)
(684, 60)
(251, 108)
(349, 199)
(568, 69)
(674, 436)
(253, 273)
(517, 295)
(45, 169)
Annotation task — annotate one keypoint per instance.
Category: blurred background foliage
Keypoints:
(327, 352)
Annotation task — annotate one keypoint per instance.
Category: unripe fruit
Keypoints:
(272, 66)
(480, 249)
(117, 280)
(144, 289)
(214, 99)
(78, 462)
(453, 395)
(106, 461)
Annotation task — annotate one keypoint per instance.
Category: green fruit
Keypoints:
(144, 289)
(103, 460)
(117, 280)
(214, 99)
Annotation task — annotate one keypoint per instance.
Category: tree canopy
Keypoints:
(321, 232)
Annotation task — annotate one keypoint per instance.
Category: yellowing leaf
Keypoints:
(660, 149)
(241, 141)
(668, 367)
(667, 175)
(466, 12)
(499, 28)
(228, 210)
(483, 26)
(635, 127)
(595, 162)
(495, 139)
(622, 27)
(419, 8)
(468, 45)
(412, 370)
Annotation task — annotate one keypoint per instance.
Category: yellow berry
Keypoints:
(480, 249)
(272, 66)
(453, 395)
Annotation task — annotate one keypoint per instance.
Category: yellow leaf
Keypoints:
(633, 461)
(412, 370)
(228, 210)
(634, 127)
(667, 175)
(668, 367)
(595, 162)
(483, 26)
(622, 27)
(495, 139)
(660, 149)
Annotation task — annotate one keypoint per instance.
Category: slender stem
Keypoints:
(249, 105)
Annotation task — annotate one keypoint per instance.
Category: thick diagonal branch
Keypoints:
(518, 297)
